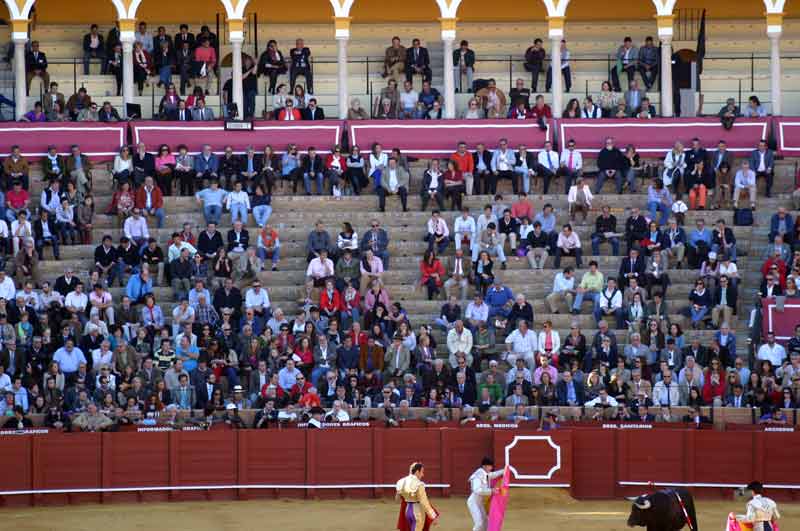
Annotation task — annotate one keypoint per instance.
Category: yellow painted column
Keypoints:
(665, 34)
(774, 31)
(448, 36)
(342, 27)
(19, 36)
(555, 27)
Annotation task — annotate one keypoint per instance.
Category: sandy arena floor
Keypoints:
(528, 510)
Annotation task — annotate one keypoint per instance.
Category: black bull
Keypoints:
(662, 511)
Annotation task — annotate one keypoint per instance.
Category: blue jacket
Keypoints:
(135, 289)
(496, 299)
(680, 237)
(769, 160)
(773, 224)
(202, 165)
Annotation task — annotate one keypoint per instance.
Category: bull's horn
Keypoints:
(643, 506)
(631, 498)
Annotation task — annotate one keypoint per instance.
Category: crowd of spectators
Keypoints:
(195, 329)
(408, 94)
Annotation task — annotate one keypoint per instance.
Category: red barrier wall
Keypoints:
(323, 135)
(787, 135)
(781, 322)
(428, 139)
(100, 141)
(592, 461)
(653, 138)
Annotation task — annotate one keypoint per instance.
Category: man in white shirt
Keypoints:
(464, 228)
(21, 231)
(143, 37)
(484, 219)
(177, 246)
(745, 180)
(548, 165)
(568, 244)
(30, 296)
(7, 289)
(459, 341)
(5, 380)
(408, 100)
(603, 399)
(76, 302)
(761, 511)
(571, 164)
(257, 299)
(772, 352)
(563, 290)
(610, 303)
(503, 167)
(666, 392)
(519, 368)
(51, 199)
(135, 228)
(438, 234)
(521, 343)
(477, 313)
(318, 271)
(338, 413)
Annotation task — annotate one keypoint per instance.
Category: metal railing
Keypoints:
(505, 69)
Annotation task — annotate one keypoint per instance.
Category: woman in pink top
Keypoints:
(205, 60)
(165, 164)
(371, 269)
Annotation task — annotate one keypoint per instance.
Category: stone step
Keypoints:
(397, 243)
(296, 225)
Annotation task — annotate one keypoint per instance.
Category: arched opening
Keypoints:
(364, 11)
(477, 11)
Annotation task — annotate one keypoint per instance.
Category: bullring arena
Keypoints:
(216, 312)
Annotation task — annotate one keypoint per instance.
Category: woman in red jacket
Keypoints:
(330, 301)
(335, 166)
(454, 186)
(304, 359)
(714, 385)
(431, 273)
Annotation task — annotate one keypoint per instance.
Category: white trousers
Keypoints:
(480, 520)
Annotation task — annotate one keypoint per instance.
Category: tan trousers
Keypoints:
(557, 297)
(512, 239)
(678, 252)
(537, 257)
(451, 283)
(725, 312)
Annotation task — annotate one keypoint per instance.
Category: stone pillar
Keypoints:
(20, 85)
(342, 27)
(775, 73)
(666, 77)
(126, 29)
(236, 75)
(557, 85)
(665, 34)
(19, 36)
(774, 30)
(236, 38)
(448, 36)
(556, 34)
